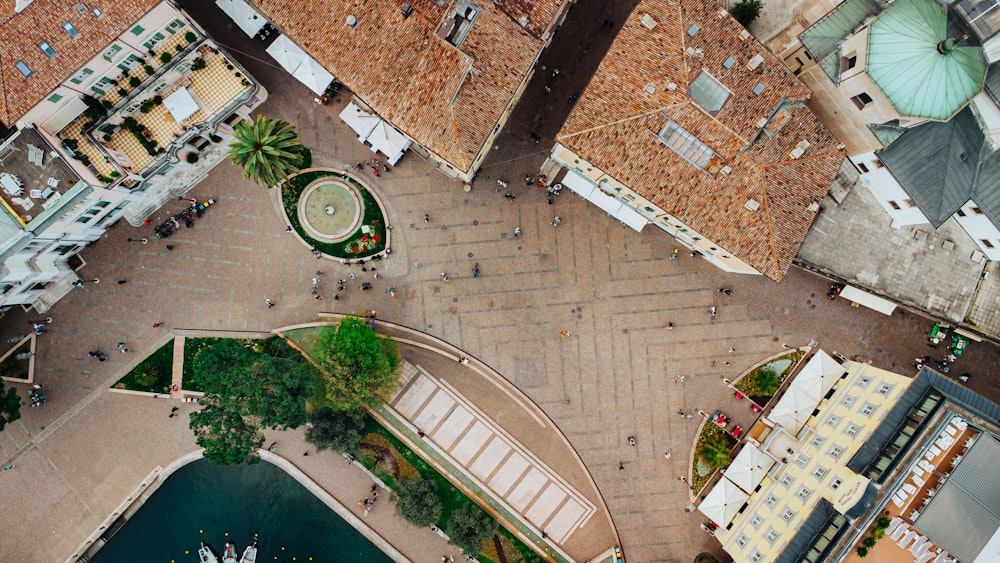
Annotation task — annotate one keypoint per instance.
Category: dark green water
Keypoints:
(203, 501)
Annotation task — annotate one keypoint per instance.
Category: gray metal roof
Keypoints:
(965, 513)
(942, 165)
(982, 16)
(886, 133)
(823, 39)
(992, 85)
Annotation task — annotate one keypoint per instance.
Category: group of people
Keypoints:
(36, 396)
(369, 501)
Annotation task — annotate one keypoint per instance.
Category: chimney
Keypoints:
(407, 10)
(352, 22)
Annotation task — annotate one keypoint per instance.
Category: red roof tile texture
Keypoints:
(616, 123)
(43, 21)
(447, 99)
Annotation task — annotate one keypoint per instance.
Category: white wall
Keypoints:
(980, 229)
(890, 195)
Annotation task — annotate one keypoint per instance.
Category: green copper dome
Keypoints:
(924, 72)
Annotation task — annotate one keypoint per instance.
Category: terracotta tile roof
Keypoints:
(616, 124)
(447, 99)
(42, 20)
(537, 14)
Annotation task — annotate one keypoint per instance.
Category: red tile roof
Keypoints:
(42, 21)
(447, 99)
(616, 123)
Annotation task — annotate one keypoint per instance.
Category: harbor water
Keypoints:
(203, 502)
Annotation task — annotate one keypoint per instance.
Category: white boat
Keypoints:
(205, 554)
(229, 553)
(250, 553)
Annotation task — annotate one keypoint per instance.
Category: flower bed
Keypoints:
(15, 365)
(360, 244)
(152, 375)
(701, 471)
(780, 367)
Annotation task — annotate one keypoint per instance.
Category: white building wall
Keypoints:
(980, 229)
(890, 195)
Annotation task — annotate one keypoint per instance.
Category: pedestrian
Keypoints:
(8, 467)
(547, 89)
(305, 454)
(555, 222)
(174, 409)
(670, 326)
(427, 218)
(444, 276)
(271, 447)
(122, 282)
(288, 228)
(555, 72)
(336, 297)
(682, 478)
(269, 303)
(353, 276)
(727, 364)
(517, 231)
(732, 350)
(565, 333)
(667, 455)
(93, 354)
(631, 441)
(681, 378)
(621, 466)
(170, 247)
(157, 325)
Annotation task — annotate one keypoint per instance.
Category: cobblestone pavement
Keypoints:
(613, 289)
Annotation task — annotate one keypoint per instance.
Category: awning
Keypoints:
(723, 502)
(66, 114)
(181, 105)
(300, 65)
(245, 17)
(359, 120)
(389, 141)
(818, 376)
(749, 468)
(620, 211)
(873, 302)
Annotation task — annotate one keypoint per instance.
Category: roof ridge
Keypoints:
(801, 159)
(770, 224)
(619, 121)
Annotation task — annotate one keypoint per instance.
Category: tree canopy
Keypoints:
(746, 11)
(10, 405)
(362, 365)
(469, 527)
(338, 431)
(268, 150)
(248, 387)
(417, 501)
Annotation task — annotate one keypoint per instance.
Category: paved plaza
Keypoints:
(610, 290)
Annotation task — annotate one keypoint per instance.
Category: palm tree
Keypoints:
(766, 381)
(715, 452)
(268, 150)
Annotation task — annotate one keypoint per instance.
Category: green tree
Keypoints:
(268, 150)
(10, 406)
(715, 452)
(417, 501)
(469, 527)
(362, 365)
(337, 431)
(746, 11)
(247, 388)
(765, 381)
(146, 374)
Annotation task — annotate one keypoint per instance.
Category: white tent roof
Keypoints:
(749, 468)
(245, 17)
(313, 75)
(608, 204)
(286, 53)
(723, 502)
(359, 120)
(181, 105)
(818, 376)
(389, 141)
(793, 410)
(873, 302)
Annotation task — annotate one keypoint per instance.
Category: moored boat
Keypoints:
(250, 553)
(229, 553)
(205, 554)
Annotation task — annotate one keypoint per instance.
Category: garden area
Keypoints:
(152, 375)
(17, 362)
(710, 454)
(764, 381)
(369, 238)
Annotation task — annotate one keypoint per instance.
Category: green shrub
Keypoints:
(198, 64)
(337, 431)
(862, 551)
(192, 157)
(190, 37)
(149, 69)
(122, 92)
(165, 57)
(215, 138)
(106, 104)
(146, 106)
(417, 501)
(134, 81)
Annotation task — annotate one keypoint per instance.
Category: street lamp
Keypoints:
(142, 240)
(79, 283)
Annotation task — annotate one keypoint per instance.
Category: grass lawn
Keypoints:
(15, 367)
(359, 244)
(153, 374)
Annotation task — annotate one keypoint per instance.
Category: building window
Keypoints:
(884, 389)
(894, 205)
(771, 501)
(909, 202)
(47, 49)
(742, 540)
(24, 69)
(71, 30)
(976, 210)
(771, 536)
(96, 11)
(102, 204)
(81, 75)
(54, 98)
(986, 243)
(756, 556)
(849, 401)
(689, 147)
(862, 168)
(84, 219)
(787, 480)
(787, 514)
(819, 472)
(111, 51)
(836, 451)
(137, 30)
(175, 26)
(803, 493)
(154, 40)
(861, 100)
(801, 460)
(817, 441)
(848, 62)
(852, 430)
(960, 213)
(863, 381)
(756, 520)
(836, 483)
(708, 92)
(868, 409)
(833, 421)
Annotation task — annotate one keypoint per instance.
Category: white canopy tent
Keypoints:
(243, 15)
(181, 105)
(586, 189)
(749, 468)
(793, 410)
(389, 141)
(300, 65)
(873, 302)
(723, 502)
(818, 376)
(359, 120)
